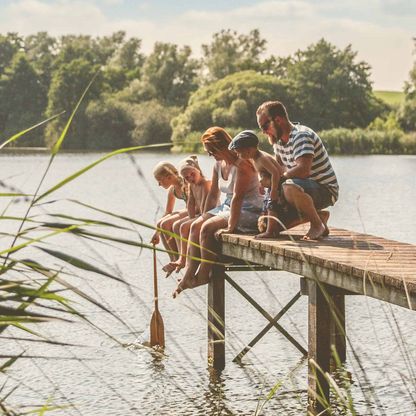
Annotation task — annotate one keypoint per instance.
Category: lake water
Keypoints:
(98, 376)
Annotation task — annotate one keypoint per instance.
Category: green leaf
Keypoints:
(87, 168)
(16, 136)
(80, 264)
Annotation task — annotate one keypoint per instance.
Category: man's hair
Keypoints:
(273, 109)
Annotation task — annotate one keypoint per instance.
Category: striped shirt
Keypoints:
(304, 141)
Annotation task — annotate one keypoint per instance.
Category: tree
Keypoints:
(330, 88)
(22, 101)
(230, 52)
(41, 52)
(67, 85)
(407, 112)
(109, 125)
(152, 123)
(9, 46)
(169, 75)
(231, 102)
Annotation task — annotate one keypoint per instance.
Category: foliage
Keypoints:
(331, 89)
(362, 141)
(109, 124)
(26, 100)
(9, 46)
(169, 75)
(230, 52)
(152, 123)
(407, 111)
(230, 102)
(67, 84)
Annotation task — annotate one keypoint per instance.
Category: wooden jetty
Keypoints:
(344, 263)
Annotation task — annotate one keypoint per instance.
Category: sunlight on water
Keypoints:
(100, 377)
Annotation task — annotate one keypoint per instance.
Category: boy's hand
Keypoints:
(262, 223)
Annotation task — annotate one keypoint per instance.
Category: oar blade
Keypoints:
(157, 330)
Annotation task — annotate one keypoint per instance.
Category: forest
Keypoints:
(173, 94)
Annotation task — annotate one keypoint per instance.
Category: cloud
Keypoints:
(288, 25)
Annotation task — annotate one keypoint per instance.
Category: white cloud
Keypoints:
(287, 25)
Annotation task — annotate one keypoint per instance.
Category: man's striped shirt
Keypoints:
(304, 141)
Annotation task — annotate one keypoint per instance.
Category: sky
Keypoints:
(380, 31)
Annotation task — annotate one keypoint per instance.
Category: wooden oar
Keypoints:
(157, 331)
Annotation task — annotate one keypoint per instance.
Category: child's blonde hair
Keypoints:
(190, 162)
(164, 169)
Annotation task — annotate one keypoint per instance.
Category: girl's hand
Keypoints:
(155, 238)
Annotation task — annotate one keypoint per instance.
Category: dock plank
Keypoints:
(350, 260)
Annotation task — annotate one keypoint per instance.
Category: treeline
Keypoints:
(169, 94)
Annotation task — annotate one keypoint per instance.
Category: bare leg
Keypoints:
(193, 254)
(209, 247)
(176, 228)
(304, 204)
(166, 223)
(184, 229)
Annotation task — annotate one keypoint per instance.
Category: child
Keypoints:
(272, 175)
(168, 178)
(245, 144)
(198, 188)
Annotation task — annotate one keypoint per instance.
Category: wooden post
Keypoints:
(216, 319)
(319, 348)
(338, 335)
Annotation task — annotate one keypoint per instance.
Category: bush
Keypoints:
(109, 125)
(230, 102)
(152, 123)
(362, 141)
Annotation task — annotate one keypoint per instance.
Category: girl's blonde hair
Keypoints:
(164, 169)
(189, 162)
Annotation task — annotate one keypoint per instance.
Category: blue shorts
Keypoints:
(320, 195)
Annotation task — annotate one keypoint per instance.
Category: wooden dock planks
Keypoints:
(357, 262)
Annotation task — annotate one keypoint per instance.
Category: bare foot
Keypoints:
(180, 264)
(182, 285)
(169, 268)
(266, 235)
(315, 233)
(177, 291)
(324, 215)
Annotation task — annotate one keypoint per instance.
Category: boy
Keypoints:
(272, 176)
(245, 145)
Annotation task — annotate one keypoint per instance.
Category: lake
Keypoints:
(98, 376)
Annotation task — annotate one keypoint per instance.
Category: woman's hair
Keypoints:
(189, 162)
(216, 138)
(164, 169)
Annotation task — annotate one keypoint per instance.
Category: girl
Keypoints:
(237, 180)
(168, 178)
(198, 189)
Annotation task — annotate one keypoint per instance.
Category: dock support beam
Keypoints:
(216, 319)
(326, 331)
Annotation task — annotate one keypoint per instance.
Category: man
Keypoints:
(309, 182)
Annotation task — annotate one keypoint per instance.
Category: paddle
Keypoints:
(157, 332)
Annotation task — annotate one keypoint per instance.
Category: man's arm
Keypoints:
(302, 169)
(270, 165)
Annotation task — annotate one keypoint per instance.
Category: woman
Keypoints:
(237, 179)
